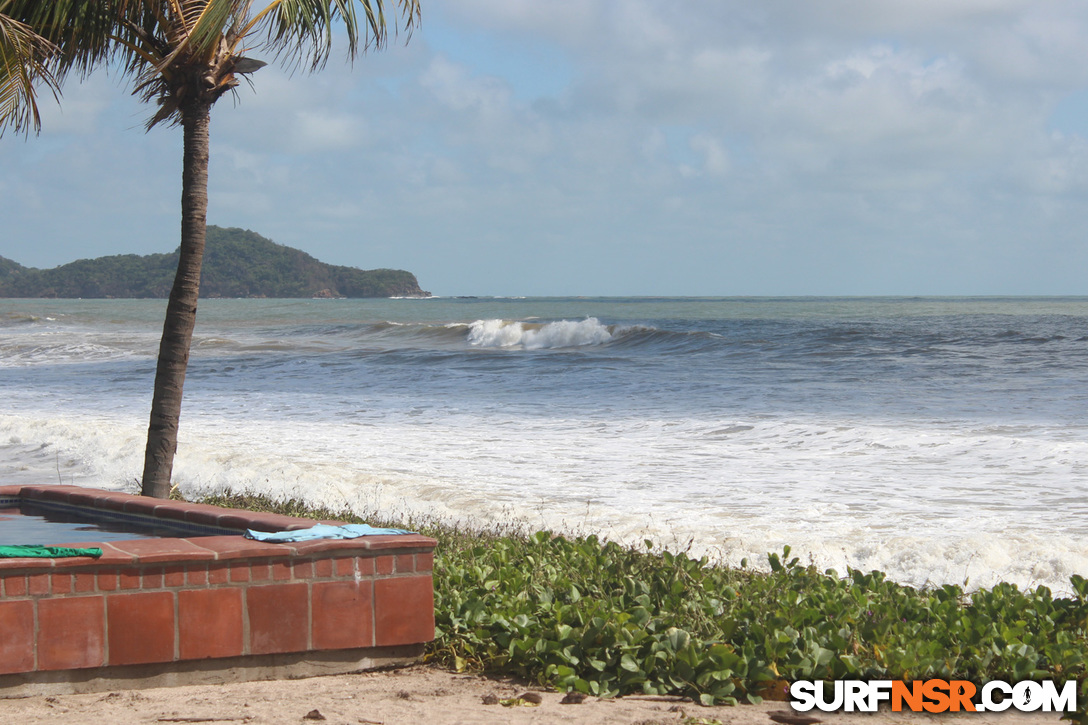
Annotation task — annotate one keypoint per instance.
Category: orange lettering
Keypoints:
(961, 692)
(935, 690)
(913, 696)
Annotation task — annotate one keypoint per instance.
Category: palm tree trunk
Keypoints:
(177, 331)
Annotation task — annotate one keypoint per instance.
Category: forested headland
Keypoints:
(237, 263)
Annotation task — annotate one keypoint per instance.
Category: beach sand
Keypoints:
(415, 695)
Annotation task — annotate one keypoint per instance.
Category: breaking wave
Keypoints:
(536, 336)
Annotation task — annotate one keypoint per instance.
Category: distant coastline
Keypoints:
(237, 263)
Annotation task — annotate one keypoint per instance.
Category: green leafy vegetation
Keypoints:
(595, 617)
(237, 263)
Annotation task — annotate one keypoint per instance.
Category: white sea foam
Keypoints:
(536, 336)
(963, 460)
(824, 489)
(25, 355)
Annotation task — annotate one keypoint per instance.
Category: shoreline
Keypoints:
(413, 695)
(596, 617)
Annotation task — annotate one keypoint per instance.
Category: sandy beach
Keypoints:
(409, 696)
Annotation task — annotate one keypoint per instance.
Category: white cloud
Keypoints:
(327, 132)
(82, 106)
(714, 156)
(487, 98)
(569, 20)
(845, 146)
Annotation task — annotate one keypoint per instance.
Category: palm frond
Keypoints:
(24, 59)
(301, 31)
(181, 51)
(83, 29)
(208, 24)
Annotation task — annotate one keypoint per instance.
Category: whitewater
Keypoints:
(939, 440)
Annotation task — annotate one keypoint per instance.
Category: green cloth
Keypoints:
(18, 551)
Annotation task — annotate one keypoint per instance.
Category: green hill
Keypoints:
(237, 263)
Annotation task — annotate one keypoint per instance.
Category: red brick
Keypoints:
(16, 637)
(399, 541)
(84, 581)
(365, 566)
(163, 551)
(206, 514)
(38, 584)
(50, 493)
(218, 573)
(210, 623)
(331, 547)
(62, 583)
(405, 563)
(153, 578)
(345, 567)
(174, 576)
(130, 579)
(384, 565)
(15, 586)
(196, 512)
(279, 618)
(107, 580)
(323, 568)
(71, 633)
(343, 614)
(403, 610)
(425, 562)
(234, 520)
(224, 548)
(84, 498)
(239, 572)
(197, 576)
(273, 522)
(18, 564)
(112, 558)
(143, 505)
(259, 572)
(141, 627)
(281, 570)
(111, 500)
(303, 569)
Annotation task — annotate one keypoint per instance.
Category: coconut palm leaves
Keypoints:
(184, 55)
(180, 51)
(188, 51)
(24, 58)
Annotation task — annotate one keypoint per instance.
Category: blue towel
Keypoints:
(322, 531)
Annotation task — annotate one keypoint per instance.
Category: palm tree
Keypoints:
(184, 55)
(24, 57)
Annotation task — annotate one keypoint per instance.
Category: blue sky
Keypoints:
(623, 147)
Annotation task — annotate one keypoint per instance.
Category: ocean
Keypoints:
(941, 440)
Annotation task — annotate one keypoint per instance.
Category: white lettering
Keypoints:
(988, 700)
(855, 696)
(836, 701)
(1066, 701)
(803, 694)
(879, 691)
(1027, 696)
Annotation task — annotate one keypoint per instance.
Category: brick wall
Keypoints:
(168, 600)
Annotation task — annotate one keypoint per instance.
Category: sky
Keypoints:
(621, 147)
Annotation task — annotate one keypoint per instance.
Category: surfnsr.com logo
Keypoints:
(933, 696)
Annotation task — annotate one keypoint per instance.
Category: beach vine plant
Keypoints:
(183, 56)
(578, 613)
